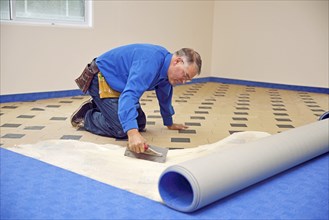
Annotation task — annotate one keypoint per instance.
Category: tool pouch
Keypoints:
(105, 91)
(84, 80)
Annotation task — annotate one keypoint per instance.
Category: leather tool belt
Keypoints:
(84, 80)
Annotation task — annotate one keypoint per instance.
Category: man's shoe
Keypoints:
(78, 117)
(79, 123)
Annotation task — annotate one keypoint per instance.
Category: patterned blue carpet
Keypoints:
(31, 189)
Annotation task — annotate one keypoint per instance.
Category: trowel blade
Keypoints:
(153, 153)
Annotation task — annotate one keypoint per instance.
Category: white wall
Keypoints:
(49, 58)
(282, 42)
(267, 41)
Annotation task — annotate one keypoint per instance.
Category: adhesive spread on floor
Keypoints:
(107, 164)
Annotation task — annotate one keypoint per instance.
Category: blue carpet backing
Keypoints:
(31, 189)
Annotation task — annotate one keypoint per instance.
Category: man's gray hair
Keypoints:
(191, 56)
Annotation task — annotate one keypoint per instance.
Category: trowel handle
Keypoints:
(146, 146)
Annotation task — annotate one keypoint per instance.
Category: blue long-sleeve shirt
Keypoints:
(134, 69)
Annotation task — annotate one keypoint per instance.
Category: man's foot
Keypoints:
(78, 117)
(79, 123)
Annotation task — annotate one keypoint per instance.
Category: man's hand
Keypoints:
(136, 141)
(177, 127)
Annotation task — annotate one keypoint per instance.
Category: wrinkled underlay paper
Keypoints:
(107, 163)
(191, 178)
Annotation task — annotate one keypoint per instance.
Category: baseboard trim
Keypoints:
(262, 84)
(39, 95)
(66, 93)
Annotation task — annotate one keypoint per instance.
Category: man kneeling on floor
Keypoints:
(117, 79)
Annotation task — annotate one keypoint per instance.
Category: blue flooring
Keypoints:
(31, 189)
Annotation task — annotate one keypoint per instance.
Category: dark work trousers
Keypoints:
(103, 119)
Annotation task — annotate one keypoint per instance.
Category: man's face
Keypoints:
(180, 72)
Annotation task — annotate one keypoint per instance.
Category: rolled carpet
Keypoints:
(193, 184)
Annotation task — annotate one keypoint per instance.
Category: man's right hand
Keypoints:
(136, 141)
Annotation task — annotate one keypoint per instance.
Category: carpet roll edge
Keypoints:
(184, 195)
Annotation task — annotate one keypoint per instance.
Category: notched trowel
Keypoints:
(151, 153)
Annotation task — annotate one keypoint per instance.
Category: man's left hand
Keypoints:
(177, 127)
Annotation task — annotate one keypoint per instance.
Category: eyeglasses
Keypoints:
(187, 77)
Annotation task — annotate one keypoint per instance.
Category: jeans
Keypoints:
(103, 118)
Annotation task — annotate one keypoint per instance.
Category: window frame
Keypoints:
(49, 22)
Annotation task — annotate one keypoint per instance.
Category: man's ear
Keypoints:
(177, 60)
